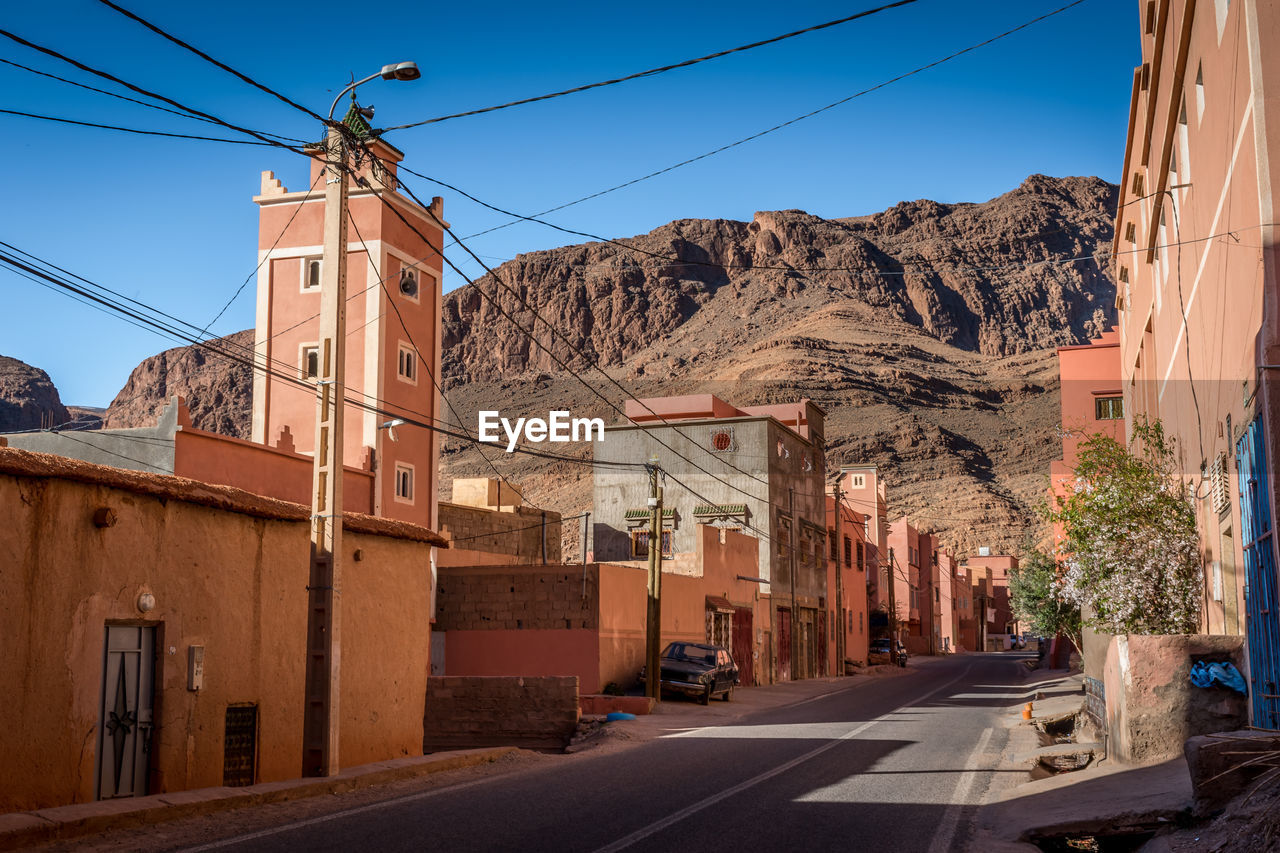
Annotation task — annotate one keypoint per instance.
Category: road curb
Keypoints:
(23, 829)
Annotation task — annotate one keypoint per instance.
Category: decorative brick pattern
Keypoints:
(464, 712)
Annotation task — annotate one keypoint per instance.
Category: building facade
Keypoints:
(1195, 257)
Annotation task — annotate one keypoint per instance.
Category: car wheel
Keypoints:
(705, 698)
(728, 694)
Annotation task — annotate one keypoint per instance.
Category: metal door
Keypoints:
(125, 723)
(742, 646)
(1260, 577)
(784, 644)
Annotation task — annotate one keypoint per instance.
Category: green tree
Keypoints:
(1130, 551)
(1037, 601)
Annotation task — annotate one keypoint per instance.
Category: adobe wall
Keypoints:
(508, 536)
(464, 712)
(228, 571)
(1151, 706)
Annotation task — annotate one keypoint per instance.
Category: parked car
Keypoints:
(879, 652)
(698, 670)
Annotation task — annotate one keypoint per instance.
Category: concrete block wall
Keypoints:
(465, 712)
(516, 534)
(508, 597)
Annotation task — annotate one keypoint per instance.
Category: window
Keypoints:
(310, 362)
(404, 482)
(640, 543)
(848, 552)
(860, 556)
(407, 367)
(311, 273)
(784, 537)
(1131, 232)
(1108, 408)
(831, 537)
(858, 481)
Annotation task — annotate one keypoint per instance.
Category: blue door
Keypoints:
(1260, 577)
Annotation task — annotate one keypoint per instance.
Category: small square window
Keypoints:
(311, 362)
(407, 366)
(1108, 408)
(404, 482)
(311, 270)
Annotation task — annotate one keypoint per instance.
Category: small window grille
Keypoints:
(1220, 482)
(240, 745)
(722, 441)
(848, 552)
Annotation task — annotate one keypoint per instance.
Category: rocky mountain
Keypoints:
(219, 391)
(926, 332)
(28, 398)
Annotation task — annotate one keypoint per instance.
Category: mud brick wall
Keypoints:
(516, 535)
(509, 597)
(467, 712)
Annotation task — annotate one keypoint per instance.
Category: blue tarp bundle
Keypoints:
(1207, 674)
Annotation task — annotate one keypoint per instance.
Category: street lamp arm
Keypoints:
(348, 89)
(393, 71)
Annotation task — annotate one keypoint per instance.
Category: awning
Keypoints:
(639, 512)
(718, 604)
(720, 509)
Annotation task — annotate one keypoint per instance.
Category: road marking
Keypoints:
(276, 830)
(950, 822)
(675, 817)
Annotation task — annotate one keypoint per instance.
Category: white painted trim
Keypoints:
(1208, 247)
(261, 350)
(372, 333)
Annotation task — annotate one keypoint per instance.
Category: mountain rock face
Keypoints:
(219, 391)
(28, 398)
(927, 333)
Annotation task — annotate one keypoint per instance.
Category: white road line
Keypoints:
(675, 817)
(276, 830)
(950, 822)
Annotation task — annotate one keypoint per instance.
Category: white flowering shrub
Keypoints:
(1130, 551)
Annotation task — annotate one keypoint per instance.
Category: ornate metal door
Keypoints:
(125, 723)
(1263, 619)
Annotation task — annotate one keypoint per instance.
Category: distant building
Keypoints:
(847, 575)
(757, 470)
(865, 493)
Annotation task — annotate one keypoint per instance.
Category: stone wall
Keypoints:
(465, 712)
(520, 598)
(1152, 707)
(480, 536)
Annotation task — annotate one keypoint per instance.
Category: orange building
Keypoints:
(847, 575)
(1195, 258)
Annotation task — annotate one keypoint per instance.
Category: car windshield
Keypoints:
(690, 654)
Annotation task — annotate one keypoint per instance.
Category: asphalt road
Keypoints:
(887, 764)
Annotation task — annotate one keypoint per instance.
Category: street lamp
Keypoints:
(324, 590)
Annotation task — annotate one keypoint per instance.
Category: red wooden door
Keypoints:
(784, 645)
(742, 645)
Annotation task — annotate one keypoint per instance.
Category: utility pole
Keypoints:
(324, 588)
(653, 622)
(791, 559)
(893, 611)
(838, 493)
(324, 592)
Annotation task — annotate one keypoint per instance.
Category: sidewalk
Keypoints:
(23, 829)
(1105, 798)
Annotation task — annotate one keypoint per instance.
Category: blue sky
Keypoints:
(171, 222)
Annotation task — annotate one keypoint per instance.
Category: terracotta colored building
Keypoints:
(865, 491)
(847, 574)
(991, 604)
(1196, 259)
(155, 631)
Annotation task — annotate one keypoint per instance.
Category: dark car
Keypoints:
(879, 652)
(699, 670)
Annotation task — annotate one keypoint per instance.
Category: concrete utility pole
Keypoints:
(653, 622)
(838, 494)
(893, 611)
(324, 588)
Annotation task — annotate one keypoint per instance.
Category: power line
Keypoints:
(788, 123)
(561, 520)
(139, 131)
(652, 71)
(207, 58)
(48, 51)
